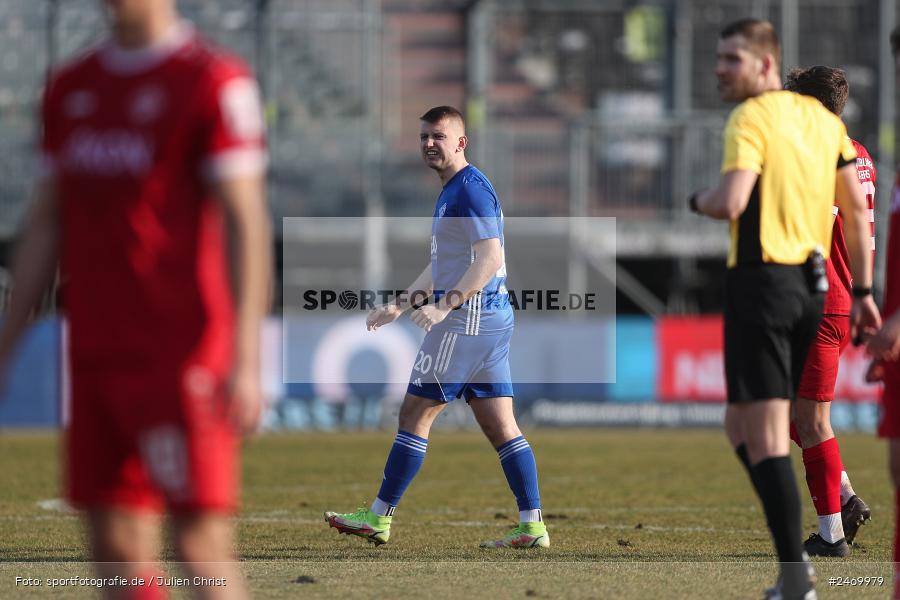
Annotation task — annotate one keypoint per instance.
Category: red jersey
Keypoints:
(133, 139)
(838, 300)
(892, 268)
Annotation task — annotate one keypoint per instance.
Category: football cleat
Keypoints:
(817, 546)
(526, 535)
(364, 523)
(854, 514)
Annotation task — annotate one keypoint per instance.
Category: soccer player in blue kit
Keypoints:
(466, 350)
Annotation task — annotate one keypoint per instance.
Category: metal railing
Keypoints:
(549, 150)
(643, 169)
(317, 62)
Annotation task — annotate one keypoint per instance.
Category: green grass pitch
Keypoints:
(631, 513)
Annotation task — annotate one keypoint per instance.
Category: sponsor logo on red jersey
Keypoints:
(133, 140)
(111, 153)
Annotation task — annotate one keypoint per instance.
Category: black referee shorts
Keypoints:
(771, 318)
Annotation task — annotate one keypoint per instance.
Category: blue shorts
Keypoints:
(451, 364)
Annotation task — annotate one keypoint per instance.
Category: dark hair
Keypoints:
(827, 85)
(439, 113)
(760, 35)
(895, 41)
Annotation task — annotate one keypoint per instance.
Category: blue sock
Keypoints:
(406, 456)
(518, 464)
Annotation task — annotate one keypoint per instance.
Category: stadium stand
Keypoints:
(577, 108)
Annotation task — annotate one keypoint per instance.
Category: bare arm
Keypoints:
(864, 316)
(884, 346)
(488, 260)
(855, 213)
(729, 199)
(34, 265)
(421, 288)
(417, 292)
(244, 202)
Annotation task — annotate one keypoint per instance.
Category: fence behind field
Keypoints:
(345, 81)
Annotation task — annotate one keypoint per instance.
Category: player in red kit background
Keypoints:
(840, 511)
(153, 162)
(885, 347)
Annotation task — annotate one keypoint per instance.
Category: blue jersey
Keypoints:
(468, 211)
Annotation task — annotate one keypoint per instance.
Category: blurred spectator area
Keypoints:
(575, 107)
(345, 82)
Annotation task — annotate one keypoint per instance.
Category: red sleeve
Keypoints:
(865, 170)
(234, 140)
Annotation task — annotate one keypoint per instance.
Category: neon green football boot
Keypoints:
(526, 535)
(363, 522)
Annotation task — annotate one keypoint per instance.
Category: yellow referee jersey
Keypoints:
(795, 145)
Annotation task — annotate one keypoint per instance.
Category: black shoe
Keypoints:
(817, 546)
(854, 514)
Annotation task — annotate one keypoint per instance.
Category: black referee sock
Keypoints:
(777, 488)
(744, 457)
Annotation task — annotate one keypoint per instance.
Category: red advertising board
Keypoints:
(691, 367)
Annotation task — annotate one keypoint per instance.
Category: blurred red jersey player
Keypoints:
(153, 158)
(840, 511)
(885, 347)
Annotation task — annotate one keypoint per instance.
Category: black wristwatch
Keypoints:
(861, 292)
(692, 203)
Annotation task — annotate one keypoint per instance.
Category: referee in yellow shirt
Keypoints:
(787, 159)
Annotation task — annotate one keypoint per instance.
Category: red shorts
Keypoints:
(821, 368)
(151, 440)
(889, 420)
